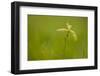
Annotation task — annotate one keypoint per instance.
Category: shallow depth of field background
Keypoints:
(45, 43)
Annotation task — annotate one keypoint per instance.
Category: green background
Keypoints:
(45, 43)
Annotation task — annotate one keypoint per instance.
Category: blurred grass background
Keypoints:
(45, 43)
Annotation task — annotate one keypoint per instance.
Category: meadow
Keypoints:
(45, 43)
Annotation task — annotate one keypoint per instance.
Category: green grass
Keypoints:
(45, 43)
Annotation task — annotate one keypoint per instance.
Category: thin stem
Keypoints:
(65, 43)
(65, 39)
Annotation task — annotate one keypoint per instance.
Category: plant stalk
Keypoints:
(65, 40)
